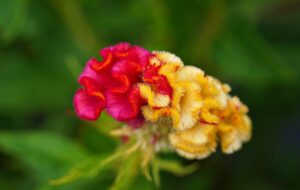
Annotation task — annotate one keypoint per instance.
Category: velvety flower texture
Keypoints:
(176, 107)
(111, 83)
(200, 108)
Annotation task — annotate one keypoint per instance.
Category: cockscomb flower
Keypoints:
(165, 107)
(178, 108)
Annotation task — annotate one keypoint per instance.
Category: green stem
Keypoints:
(127, 172)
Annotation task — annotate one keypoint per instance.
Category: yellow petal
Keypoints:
(230, 141)
(190, 105)
(212, 88)
(153, 99)
(153, 114)
(195, 143)
(245, 130)
(235, 127)
(189, 73)
(169, 58)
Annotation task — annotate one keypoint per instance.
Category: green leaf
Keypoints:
(13, 22)
(46, 153)
(39, 89)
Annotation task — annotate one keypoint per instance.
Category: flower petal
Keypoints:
(154, 99)
(190, 73)
(86, 106)
(230, 141)
(96, 80)
(235, 127)
(139, 55)
(124, 107)
(125, 73)
(169, 58)
(105, 63)
(190, 107)
(129, 68)
(195, 143)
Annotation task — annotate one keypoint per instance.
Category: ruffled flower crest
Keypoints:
(111, 83)
(176, 107)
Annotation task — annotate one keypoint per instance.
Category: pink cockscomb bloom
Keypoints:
(112, 83)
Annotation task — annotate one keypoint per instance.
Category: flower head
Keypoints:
(181, 108)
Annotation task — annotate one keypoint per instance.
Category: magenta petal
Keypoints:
(139, 55)
(86, 106)
(88, 71)
(100, 79)
(120, 107)
(121, 47)
(129, 68)
(124, 107)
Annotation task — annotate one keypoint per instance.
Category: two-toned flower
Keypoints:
(177, 107)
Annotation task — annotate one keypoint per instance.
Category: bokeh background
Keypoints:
(254, 45)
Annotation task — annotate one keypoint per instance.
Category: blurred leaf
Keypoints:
(244, 55)
(16, 15)
(209, 31)
(74, 18)
(73, 66)
(159, 33)
(48, 154)
(37, 87)
(252, 10)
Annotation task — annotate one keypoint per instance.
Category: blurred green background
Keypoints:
(254, 45)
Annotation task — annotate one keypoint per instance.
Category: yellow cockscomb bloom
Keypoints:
(200, 108)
